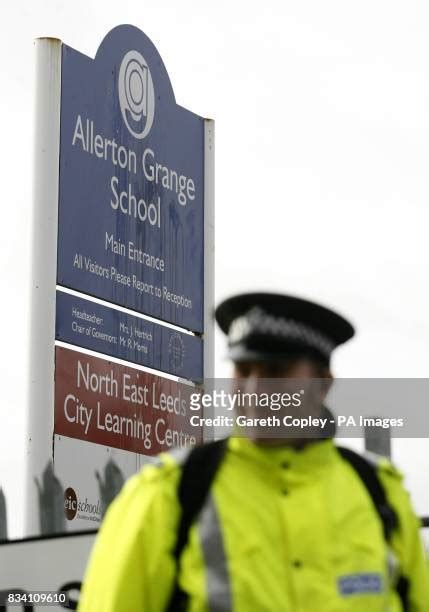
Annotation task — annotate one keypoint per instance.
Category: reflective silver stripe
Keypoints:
(219, 596)
(180, 454)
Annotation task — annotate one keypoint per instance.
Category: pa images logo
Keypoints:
(136, 94)
(176, 351)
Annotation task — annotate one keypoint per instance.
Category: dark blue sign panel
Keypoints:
(131, 201)
(118, 334)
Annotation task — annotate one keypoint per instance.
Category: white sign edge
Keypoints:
(209, 246)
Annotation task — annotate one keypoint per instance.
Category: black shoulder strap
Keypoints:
(198, 473)
(368, 474)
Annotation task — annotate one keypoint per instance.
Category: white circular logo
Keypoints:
(176, 349)
(136, 94)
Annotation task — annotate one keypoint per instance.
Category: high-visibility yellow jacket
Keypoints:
(282, 530)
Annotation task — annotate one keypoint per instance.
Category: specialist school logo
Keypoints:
(176, 350)
(136, 94)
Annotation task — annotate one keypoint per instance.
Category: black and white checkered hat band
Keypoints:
(256, 321)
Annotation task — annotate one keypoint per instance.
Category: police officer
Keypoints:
(263, 523)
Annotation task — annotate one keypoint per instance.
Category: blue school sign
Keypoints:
(119, 334)
(131, 199)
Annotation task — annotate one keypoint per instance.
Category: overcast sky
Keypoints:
(322, 183)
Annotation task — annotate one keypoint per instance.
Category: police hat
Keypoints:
(269, 326)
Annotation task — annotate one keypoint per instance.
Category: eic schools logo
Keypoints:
(73, 507)
(70, 503)
(136, 94)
